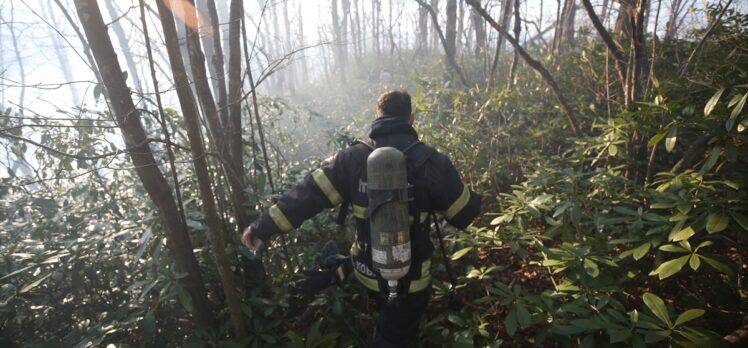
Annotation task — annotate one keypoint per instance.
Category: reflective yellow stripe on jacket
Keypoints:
(280, 219)
(416, 285)
(325, 185)
(459, 203)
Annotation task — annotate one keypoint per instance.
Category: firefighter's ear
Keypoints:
(412, 119)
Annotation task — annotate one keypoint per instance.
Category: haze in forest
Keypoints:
(590, 157)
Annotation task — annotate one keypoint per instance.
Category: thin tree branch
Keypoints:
(570, 117)
(448, 52)
(708, 33)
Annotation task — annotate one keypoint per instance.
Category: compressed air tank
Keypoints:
(388, 214)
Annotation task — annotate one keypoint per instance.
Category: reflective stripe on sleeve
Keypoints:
(280, 219)
(459, 203)
(358, 211)
(325, 185)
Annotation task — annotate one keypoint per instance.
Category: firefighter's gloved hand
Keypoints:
(314, 282)
(250, 240)
(329, 256)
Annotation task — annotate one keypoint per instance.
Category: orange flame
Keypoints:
(188, 14)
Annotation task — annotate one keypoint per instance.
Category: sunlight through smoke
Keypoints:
(188, 14)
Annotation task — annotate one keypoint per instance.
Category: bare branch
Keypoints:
(570, 117)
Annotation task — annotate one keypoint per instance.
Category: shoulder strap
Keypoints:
(362, 142)
(346, 205)
(417, 153)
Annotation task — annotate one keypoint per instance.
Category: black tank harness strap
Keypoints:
(414, 163)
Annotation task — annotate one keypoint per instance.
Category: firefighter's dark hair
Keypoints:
(394, 102)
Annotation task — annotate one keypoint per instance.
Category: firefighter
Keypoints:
(436, 186)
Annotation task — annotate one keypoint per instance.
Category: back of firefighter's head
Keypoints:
(395, 103)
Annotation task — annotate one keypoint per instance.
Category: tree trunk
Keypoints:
(451, 29)
(346, 7)
(142, 158)
(506, 12)
(517, 30)
(358, 37)
(423, 28)
(234, 125)
(214, 54)
(565, 25)
(222, 145)
(624, 26)
(480, 33)
(337, 41)
(304, 67)
(192, 123)
(449, 56)
(124, 46)
(460, 27)
(435, 27)
(671, 27)
(19, 60)
(291, 70)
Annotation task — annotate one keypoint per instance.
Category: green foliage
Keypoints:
(578, 246)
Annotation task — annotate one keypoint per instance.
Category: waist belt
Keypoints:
(416, 285)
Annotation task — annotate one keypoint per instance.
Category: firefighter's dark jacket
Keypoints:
(437, 187)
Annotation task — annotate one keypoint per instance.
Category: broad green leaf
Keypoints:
(657, 306)
(705, 243)
(735, 112)
(634, 316)
(34, 284)
(673, 249)
(510, 323)
(460, 253)
(694, 262)
(591, 268)
(683, 234)
(502, 219)
(717, 222)
(613, 150)
(589, 324)
(641, 250)
(657, 138)
(672, 137)
(566, 330)
(741, 219)
(560, 210)
(184, 297)
(719, 266)
(619, 335)
(20, 270)
(656, 336)
(523, 316)
(662, 205)
(456, 319)
(688, 315)
(709, 107)
(711, 160)
(148, 325)
(671, 267)
(576, 215)
(552, 262)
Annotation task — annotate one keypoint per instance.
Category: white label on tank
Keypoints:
(401, 252)
(379, 256)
